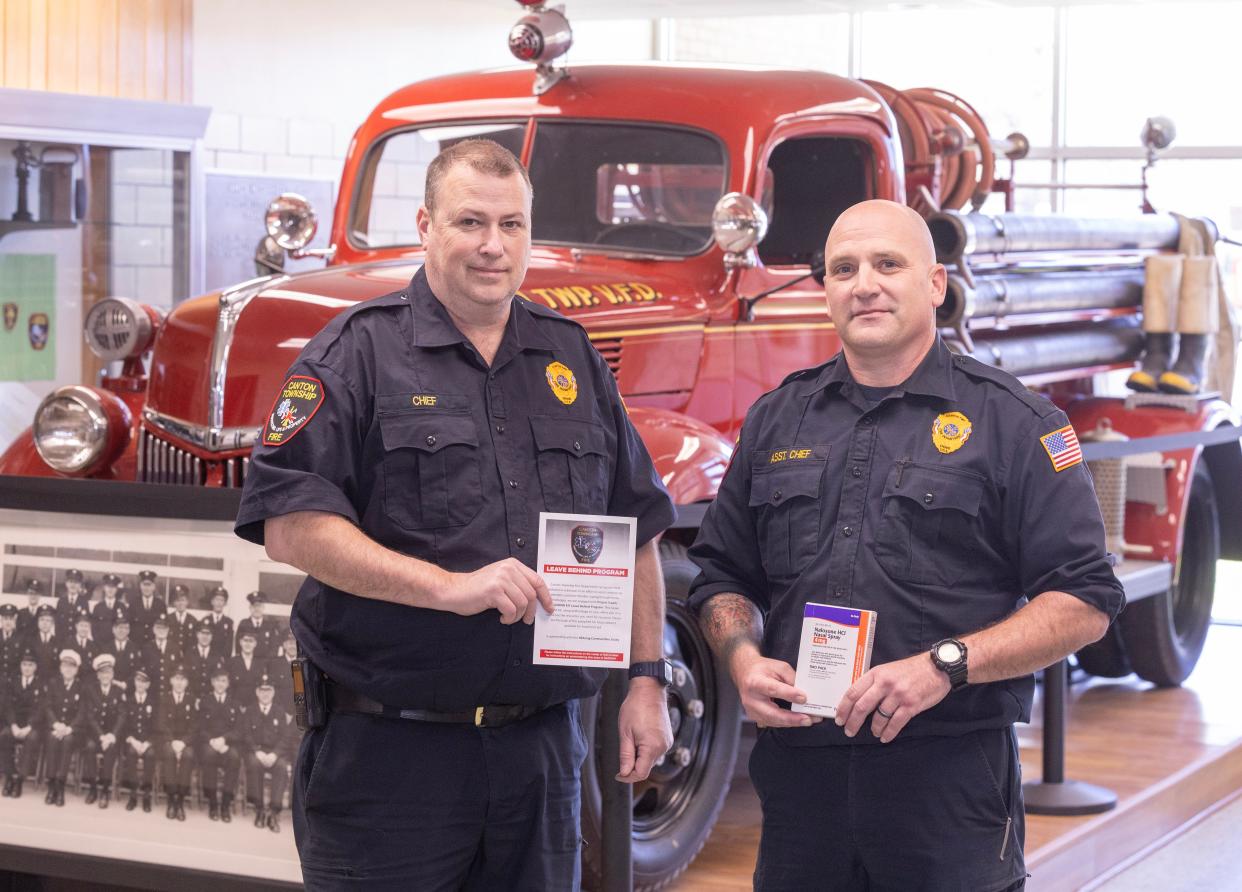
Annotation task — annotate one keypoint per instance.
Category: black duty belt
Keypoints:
(342, 699)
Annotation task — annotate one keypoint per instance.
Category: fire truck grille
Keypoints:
(162, 462)
(610, 349)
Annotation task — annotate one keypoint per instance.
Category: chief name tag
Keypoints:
(834, 651)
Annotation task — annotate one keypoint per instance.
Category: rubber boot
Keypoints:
(91, 794)
(1158, 350)
(226, 808)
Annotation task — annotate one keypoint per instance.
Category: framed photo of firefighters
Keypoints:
(146, 697)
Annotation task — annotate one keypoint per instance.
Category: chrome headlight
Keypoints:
(291, 221)
(74, 429)
(119, 328)
(738, 224)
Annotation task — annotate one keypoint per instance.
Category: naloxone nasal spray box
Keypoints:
(835, 650)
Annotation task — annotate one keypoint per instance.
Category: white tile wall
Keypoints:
(265, 135)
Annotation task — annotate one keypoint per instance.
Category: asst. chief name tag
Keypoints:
(299, 399)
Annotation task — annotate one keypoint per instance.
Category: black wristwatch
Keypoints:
(949, 656)
(660, 670)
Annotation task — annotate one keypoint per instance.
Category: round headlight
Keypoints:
(738, 223)
(71, 429)
(541, 37)
(291, 221)
(118, 328)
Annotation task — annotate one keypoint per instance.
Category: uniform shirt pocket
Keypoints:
(573, 464)
(785, 498)
(431, 469)
(930, 517)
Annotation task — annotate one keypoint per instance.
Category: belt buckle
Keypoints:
(478, 716)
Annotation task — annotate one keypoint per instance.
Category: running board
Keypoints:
(1142, 579)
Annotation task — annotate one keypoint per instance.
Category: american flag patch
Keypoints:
(1062, 447)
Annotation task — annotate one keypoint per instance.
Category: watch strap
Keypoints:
(660, 670)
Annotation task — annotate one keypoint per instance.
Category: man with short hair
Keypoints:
(20, 719)
(63, 705)
(220, 737)
(123, 650)
(160, 656)
(175, 724)
(84, 641)
(403, 468)
(12, 642)
(104, 715)
(202, 661)
(45, 643)
(140, 752)
(246, 668)
(181, 623)
(925, 486)
(104, 611)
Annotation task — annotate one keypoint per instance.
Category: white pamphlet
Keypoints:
(835, 650)
(587, 562)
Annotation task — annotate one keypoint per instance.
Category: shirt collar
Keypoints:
(434, 327)
(932, 377)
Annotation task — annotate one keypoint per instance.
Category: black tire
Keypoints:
(1106, 657)
(1164, 634)
(675, 811)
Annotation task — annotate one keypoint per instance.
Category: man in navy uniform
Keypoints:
(45, 643)
(12, 642)
(28, 617)
(104, 611)
(74, 599)
(63, 706)
(21, 718)
(104, 716)
(160, 656)
(140, 752)
(83, 641)
(181, 623)
(221, 626)
(219, 748)
(146, 606)
(940, 493)
(403, 468)
(175, 724)
(271, 738)
(260, 625)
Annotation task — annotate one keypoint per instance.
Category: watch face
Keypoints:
(948, 652)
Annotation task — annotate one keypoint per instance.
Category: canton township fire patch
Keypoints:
(299, 399)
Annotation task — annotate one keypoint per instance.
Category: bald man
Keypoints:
(940, 493)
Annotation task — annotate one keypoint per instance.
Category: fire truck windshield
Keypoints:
(610, 186)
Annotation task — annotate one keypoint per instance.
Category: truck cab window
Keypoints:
(811, 180)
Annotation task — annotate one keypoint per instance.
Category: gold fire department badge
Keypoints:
(950, 431)
(562, 382)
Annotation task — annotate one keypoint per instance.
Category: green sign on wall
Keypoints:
(27, 332)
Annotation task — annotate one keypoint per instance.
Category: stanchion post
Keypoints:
(617, 812)
(1054, 795)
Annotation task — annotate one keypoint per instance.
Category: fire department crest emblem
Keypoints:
(587, 542)
(39, 327)
(950, 431)
(298, 401)
(10, 316)
(563, 383)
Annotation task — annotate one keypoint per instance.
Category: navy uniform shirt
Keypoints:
(940, 507)
(391, 419)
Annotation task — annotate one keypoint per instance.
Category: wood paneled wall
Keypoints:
(129, 49)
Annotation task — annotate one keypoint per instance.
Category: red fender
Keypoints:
(691, 457)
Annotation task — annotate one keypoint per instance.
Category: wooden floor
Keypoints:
(1169, 755)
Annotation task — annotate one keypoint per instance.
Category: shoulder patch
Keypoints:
(299, 399)
(1062, 448)
(976, 369)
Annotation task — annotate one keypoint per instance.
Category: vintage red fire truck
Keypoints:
(679, 215)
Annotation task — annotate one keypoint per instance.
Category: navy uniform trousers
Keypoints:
(384, 803)
(868, 818)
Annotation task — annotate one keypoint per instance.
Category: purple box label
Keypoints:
(841, 615)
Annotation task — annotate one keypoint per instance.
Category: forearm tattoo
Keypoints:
(730, 621)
